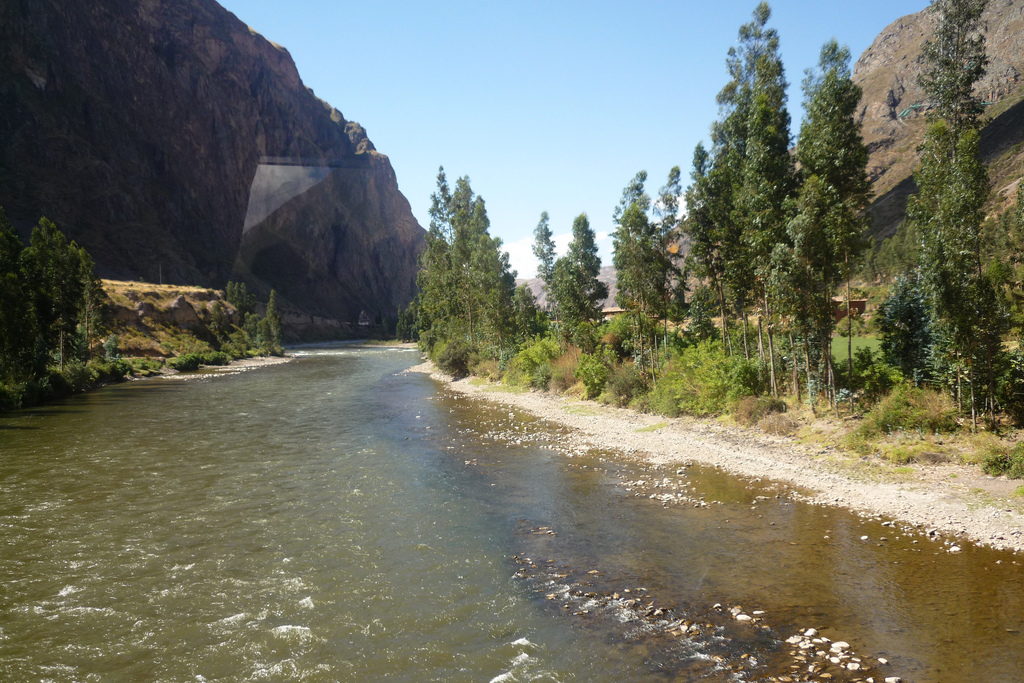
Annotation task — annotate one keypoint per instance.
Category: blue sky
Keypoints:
(546, 106)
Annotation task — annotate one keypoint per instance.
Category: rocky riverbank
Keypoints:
(235, 367)
(954, 501)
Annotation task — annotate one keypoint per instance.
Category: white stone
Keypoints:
(810, 633)
(839, 646)
(744, 617)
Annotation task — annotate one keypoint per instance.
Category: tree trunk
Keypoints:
(771, 347)
(959, 386)
(725, 327)
(974, 410)
(807, 374)
(760, 338)
(746, 333)
(991, 387)
(849, 338)
(796, 368)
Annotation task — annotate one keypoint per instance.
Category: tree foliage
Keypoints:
(467, 288)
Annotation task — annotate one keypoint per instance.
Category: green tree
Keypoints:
(753, 166)
(18, 328)
(643, 265)
(956, 60)
(768, 180)
(94, 298)
(273, 322)
(577, 291)
(218, 320)
(706, 218)
(55, 271)
(528, 320)
(948, 209)
(466, 284)
(904, 319)
(238, 296)
(827, 232)
(544, 250)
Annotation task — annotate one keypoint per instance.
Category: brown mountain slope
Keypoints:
(172, 141)
(894, 106)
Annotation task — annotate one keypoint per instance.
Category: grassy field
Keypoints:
(839, 345)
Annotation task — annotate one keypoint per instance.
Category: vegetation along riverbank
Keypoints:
(63, 330)
(736, 301)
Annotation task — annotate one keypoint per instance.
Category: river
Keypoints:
(337, 519)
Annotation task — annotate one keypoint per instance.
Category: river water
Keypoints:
(336, 519)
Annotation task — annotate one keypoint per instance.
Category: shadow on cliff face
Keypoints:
(142, 128)
(328, 240)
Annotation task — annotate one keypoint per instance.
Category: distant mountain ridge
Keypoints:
(145, 127)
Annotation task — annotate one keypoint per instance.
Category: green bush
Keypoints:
(593, 372)
(541, 376)
(77, 376)
(454, 358)
(186, 362)
(12, 396)
(910, 409)
(704, 380)
(1009, 463)
(526, 368)
(215, 358)
(102, 370)
(144, 367)
(1011, 387)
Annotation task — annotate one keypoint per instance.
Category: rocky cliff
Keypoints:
(894, 107)
(174, 142)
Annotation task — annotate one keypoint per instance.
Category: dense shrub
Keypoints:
(215, 358)
(617, 335)
(144, 367)
(593, 372)
(704, 380)
(563, 372)
(1011, 388)
(1009, 463)
(750, 410)
(102, 370)
(488, 369)
(874, 377)
(625, 382)
(526, 369)
(454, 358)
(541, 376)
(910, 409)
(184, 363)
